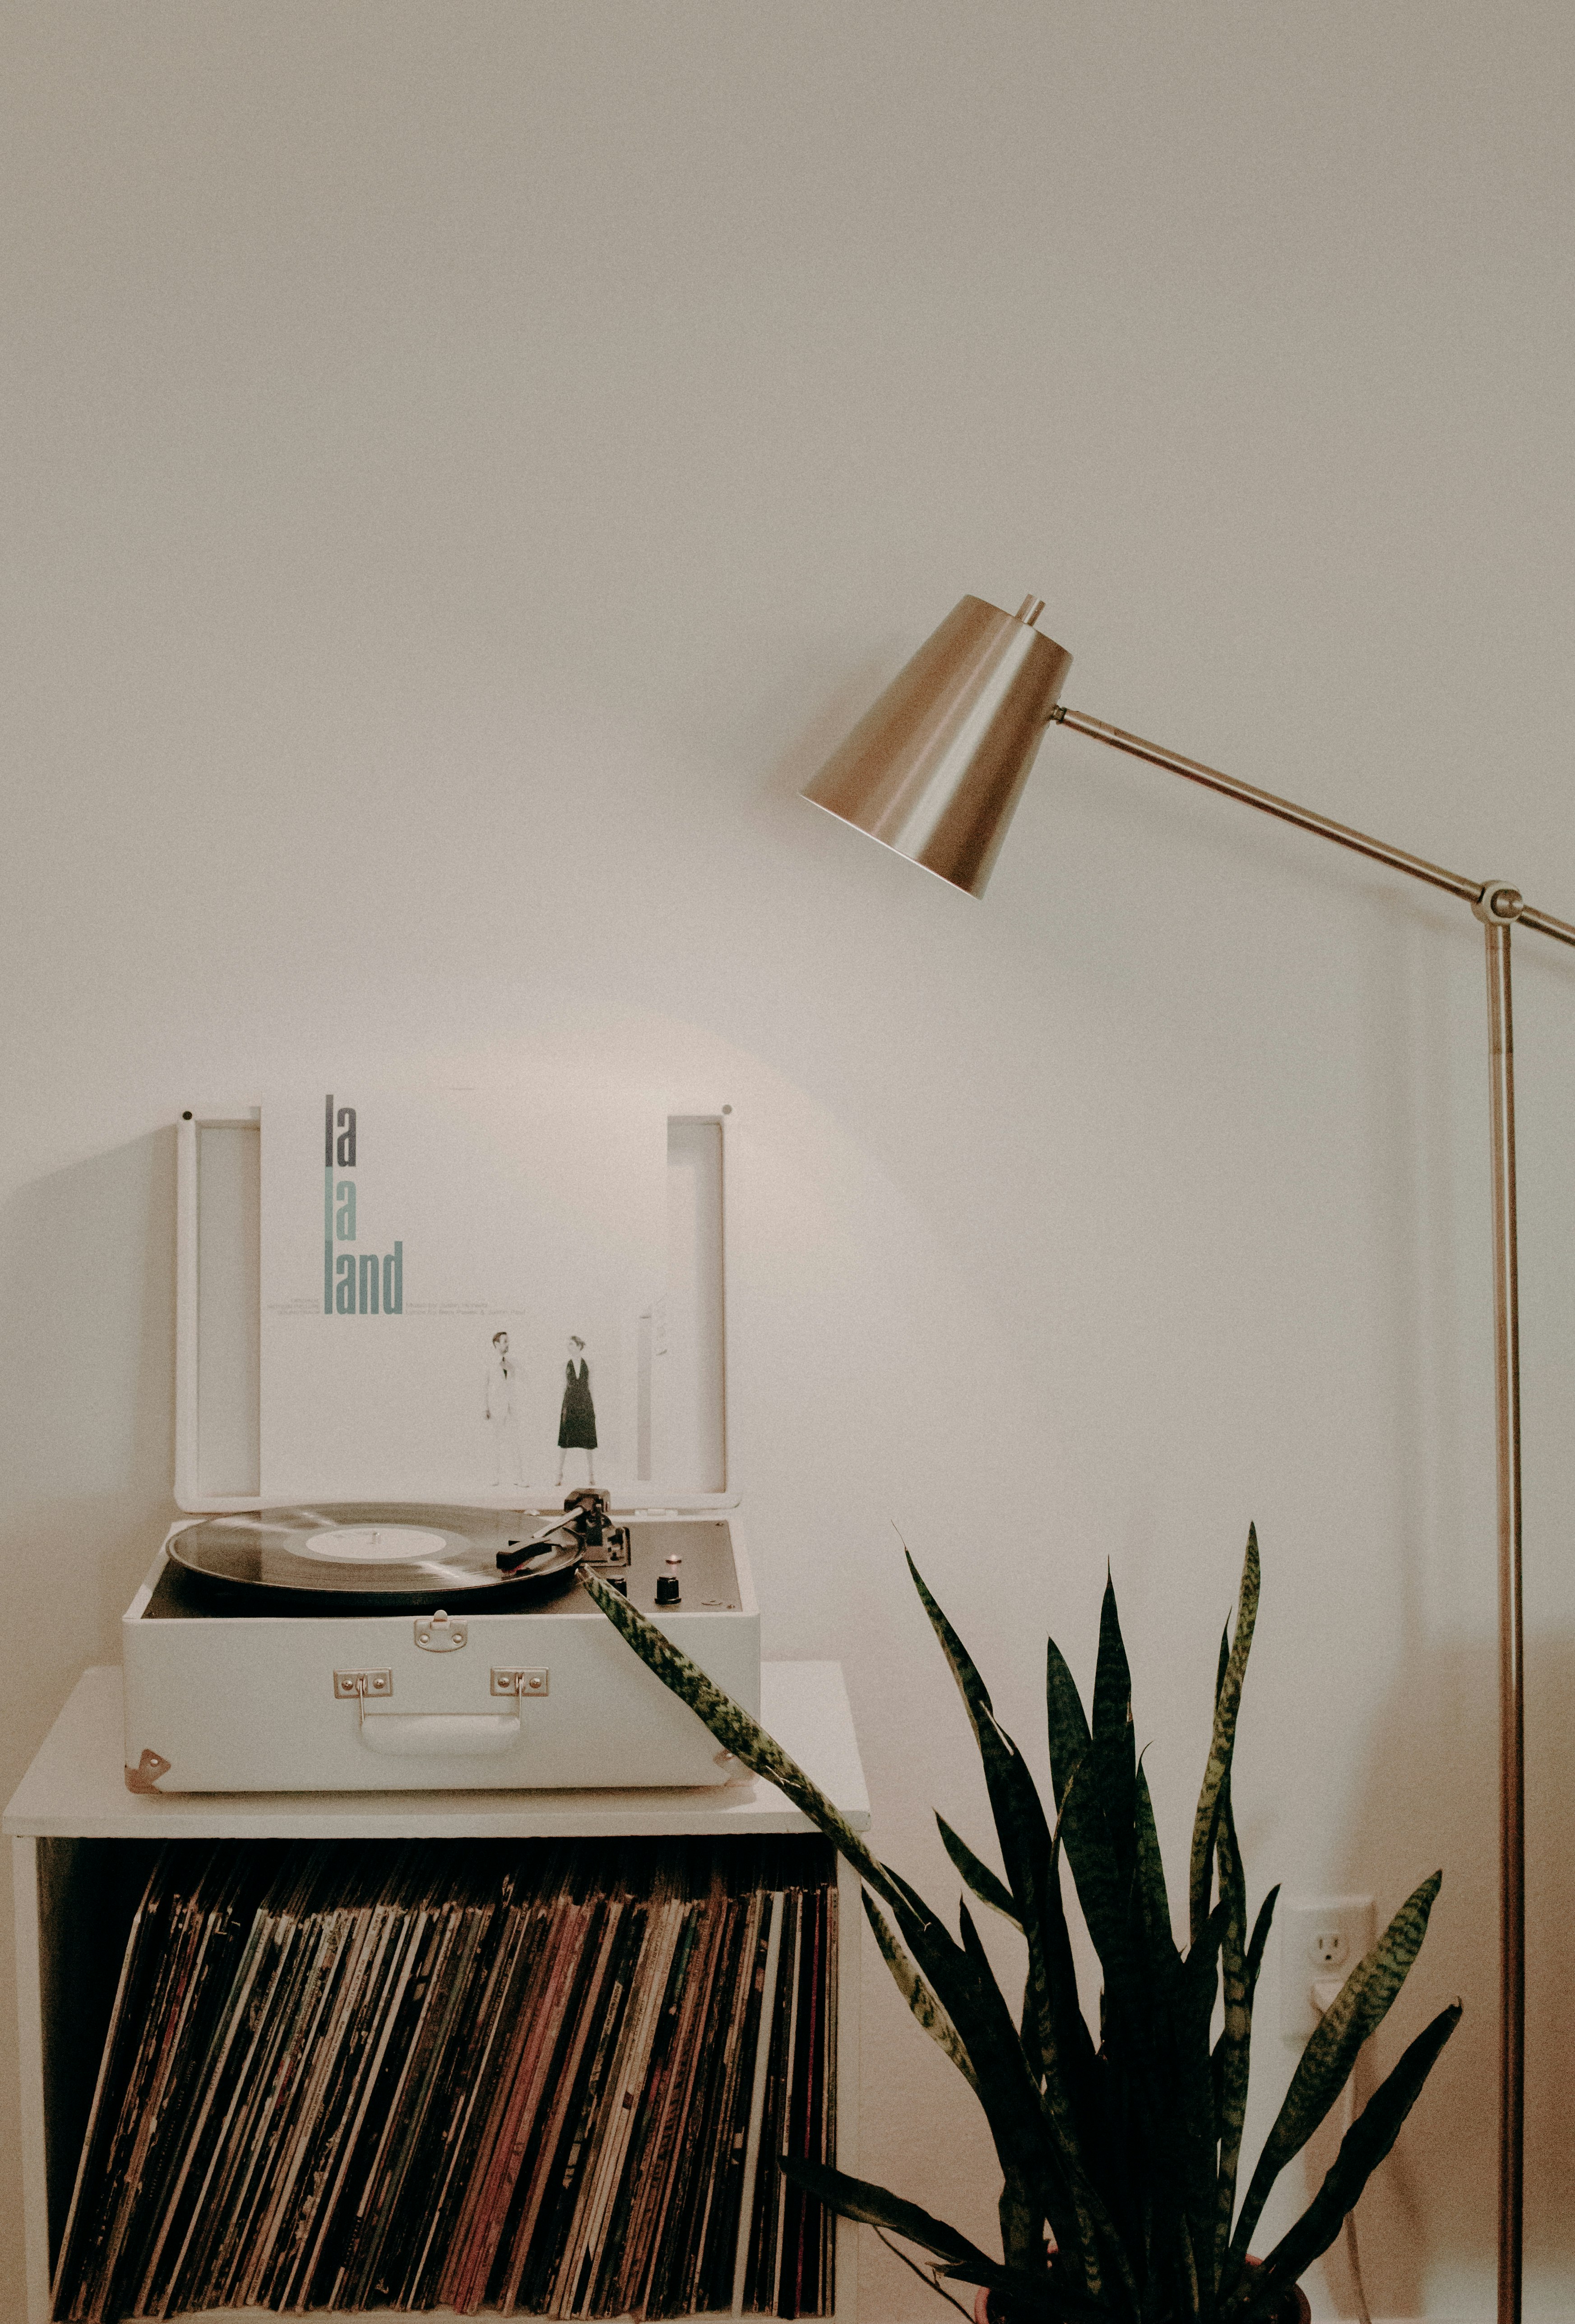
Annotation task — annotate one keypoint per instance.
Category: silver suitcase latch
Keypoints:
(519, 1681)
(356, 1685)
(438, 1635)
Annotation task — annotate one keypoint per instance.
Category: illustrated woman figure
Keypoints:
(501, 1414)
(577, 1421)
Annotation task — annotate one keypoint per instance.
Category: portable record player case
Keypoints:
(222, 1697)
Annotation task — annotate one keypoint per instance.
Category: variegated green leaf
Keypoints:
(1026, 2143)
(1021, 1829)
(860, 2199)
(1114, 1758)
(1362, 2149)
(1094, 2228)
(1359, 2007)
(1069, 1726)
(915, 1992)
(1180, 2100)
(734, 1728)
(985, 1883)
(971, 1998)
(1054, 2034)
(1260, 1938)
(1235, 2033)
(1201, 1971)
(1112, 1705)
(1151, 1876)
(1104, 1893)
(1223, 1742)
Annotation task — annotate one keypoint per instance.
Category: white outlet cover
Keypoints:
(1310, 1928)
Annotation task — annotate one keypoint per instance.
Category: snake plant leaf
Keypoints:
(1200, 1971)
(1357, 2009)
(1223, 1742)
(1176, 2029)
(1114, 1758)
(1051, 2014)
(987, 1887)
(966, 1987)
(1129, 2062)
(1026, 2145)
(734, 1728)
(1014, 1802)
(1103, 1892)
(860, 2199)
(1260, 1937)
(915, 1992)
(1112, 1703)
(1362, 2149)
(1037, 2293)
(1095, 2228)
(1207, 1863)
(1070, 2054)
(1040, 2291)
(973, 1947)
(1236, 2033)
(910, 1896)
(1103, 1869)
(964, 1983)
(974, 1693)
(987, 1995)
(1183, 2145)
(1069, 1726)
(1153, 1894)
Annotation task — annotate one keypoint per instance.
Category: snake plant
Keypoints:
(1120, 2151)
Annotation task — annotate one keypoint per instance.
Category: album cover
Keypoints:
(457, 1294)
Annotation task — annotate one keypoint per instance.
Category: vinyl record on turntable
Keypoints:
(373, 1553)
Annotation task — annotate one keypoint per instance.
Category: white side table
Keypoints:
(75, 1829)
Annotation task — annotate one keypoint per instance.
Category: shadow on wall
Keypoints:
(86, 1407)
(1429, 2221)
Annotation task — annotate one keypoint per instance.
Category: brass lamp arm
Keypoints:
(1498, 901)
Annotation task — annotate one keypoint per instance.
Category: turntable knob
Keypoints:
(667, 1589)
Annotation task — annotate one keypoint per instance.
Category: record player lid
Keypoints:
(675, 1368)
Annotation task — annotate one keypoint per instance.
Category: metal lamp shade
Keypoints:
(935, 769)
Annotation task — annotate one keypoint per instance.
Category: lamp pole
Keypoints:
(1511, 1635)
(935, 771)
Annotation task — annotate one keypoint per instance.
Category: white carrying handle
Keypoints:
(452, 1734)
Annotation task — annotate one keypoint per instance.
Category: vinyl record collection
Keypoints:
(539, 2078)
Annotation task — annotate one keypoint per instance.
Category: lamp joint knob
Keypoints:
(1500, 902)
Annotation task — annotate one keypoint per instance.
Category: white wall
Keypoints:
(467, 463)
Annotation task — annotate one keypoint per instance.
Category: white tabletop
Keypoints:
(76, 1786)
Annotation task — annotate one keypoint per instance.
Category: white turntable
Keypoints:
(347, 1646)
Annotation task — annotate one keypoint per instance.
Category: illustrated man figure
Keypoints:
(501, 1378)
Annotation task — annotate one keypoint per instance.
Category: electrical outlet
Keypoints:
(1321, 1937)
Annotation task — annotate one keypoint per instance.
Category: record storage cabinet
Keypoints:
(80, 1840)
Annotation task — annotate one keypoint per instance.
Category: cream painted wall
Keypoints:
(466, 463)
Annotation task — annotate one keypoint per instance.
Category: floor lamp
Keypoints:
(935, 771)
